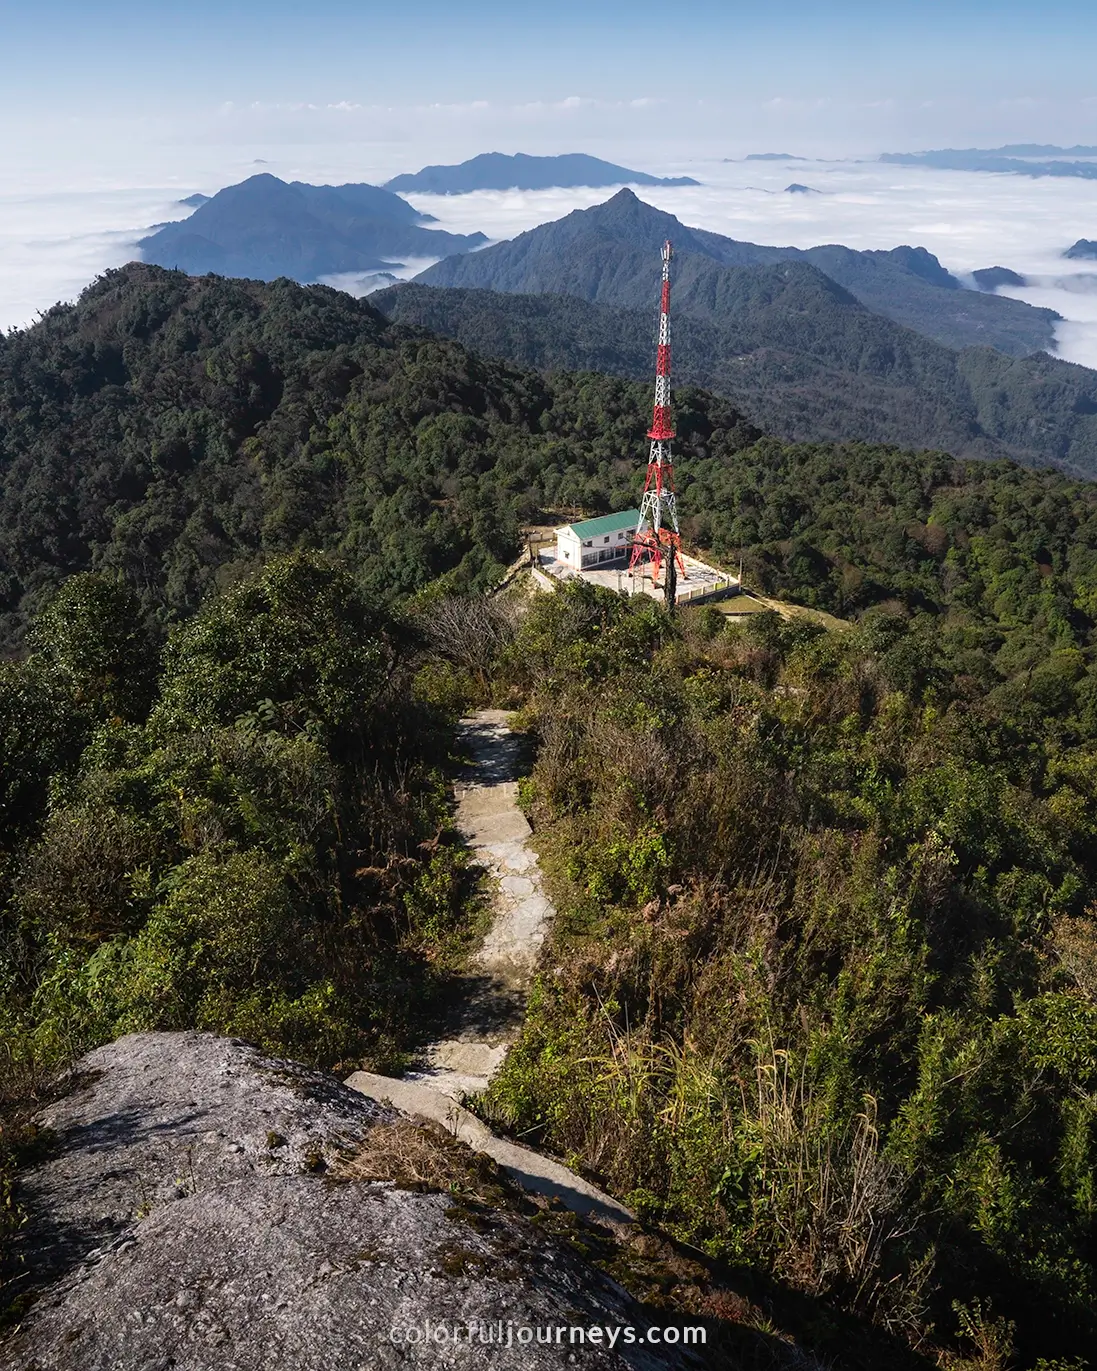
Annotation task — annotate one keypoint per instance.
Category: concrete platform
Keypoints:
(700, 582)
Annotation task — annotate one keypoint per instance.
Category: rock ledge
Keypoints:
(205, 1208)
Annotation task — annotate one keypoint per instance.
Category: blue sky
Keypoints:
(860, 74)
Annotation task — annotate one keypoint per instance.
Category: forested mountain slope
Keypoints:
(795, 351)
(822, 991)
(181, 430)
(605, 254)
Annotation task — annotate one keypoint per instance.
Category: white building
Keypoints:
(593, 541)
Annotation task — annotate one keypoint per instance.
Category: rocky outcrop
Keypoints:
(204, 1208)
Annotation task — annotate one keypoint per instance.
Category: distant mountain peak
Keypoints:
(626, 201)
(609, 254)
(521, 171)
(633, 220)
(921, 262)
(264, 227)
(990, 278)
(628, 204)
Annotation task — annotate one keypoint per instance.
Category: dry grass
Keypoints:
(754, 602)
(471, 630)
(1074, 943)
(422, 1156)
(834, 1197)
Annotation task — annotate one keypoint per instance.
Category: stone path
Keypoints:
(491, 1004)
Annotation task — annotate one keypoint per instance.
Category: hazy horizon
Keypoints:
(840, 74)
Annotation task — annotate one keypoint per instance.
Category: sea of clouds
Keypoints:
(59, 231)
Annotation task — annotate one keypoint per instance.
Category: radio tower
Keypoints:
(657, 530)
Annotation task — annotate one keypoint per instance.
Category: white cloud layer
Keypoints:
(53, 241)
(53, 245)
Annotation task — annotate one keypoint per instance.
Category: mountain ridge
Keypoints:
(1018, 159)
(520, 171)
(264, 227)
(796, 353)
(905, 284)
(197, 422)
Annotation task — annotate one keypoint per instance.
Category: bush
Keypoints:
(822, 982)
(246, 860)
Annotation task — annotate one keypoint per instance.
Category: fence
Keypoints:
(706, 591)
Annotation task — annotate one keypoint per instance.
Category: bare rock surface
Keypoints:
(201, 1209)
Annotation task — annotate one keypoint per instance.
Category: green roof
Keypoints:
(608, 523)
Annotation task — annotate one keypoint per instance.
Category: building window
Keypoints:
(587, 543)
(606, 538)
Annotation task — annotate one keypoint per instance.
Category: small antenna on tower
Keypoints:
(657, 528)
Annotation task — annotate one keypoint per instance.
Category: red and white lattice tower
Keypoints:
(657, 530)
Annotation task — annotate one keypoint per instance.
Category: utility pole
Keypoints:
(670, 580)
(657, 534)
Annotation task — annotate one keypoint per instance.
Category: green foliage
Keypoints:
(42, 731)
(824, 993)
(91, 636)
(293, 651)
(436, 900)
(223, 950)
(181, 432)
(247, 859)
(586, 634)
(630, 868)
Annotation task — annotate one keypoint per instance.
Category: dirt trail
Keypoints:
(491, 1003)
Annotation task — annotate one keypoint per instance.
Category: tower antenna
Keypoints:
(657, 534)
